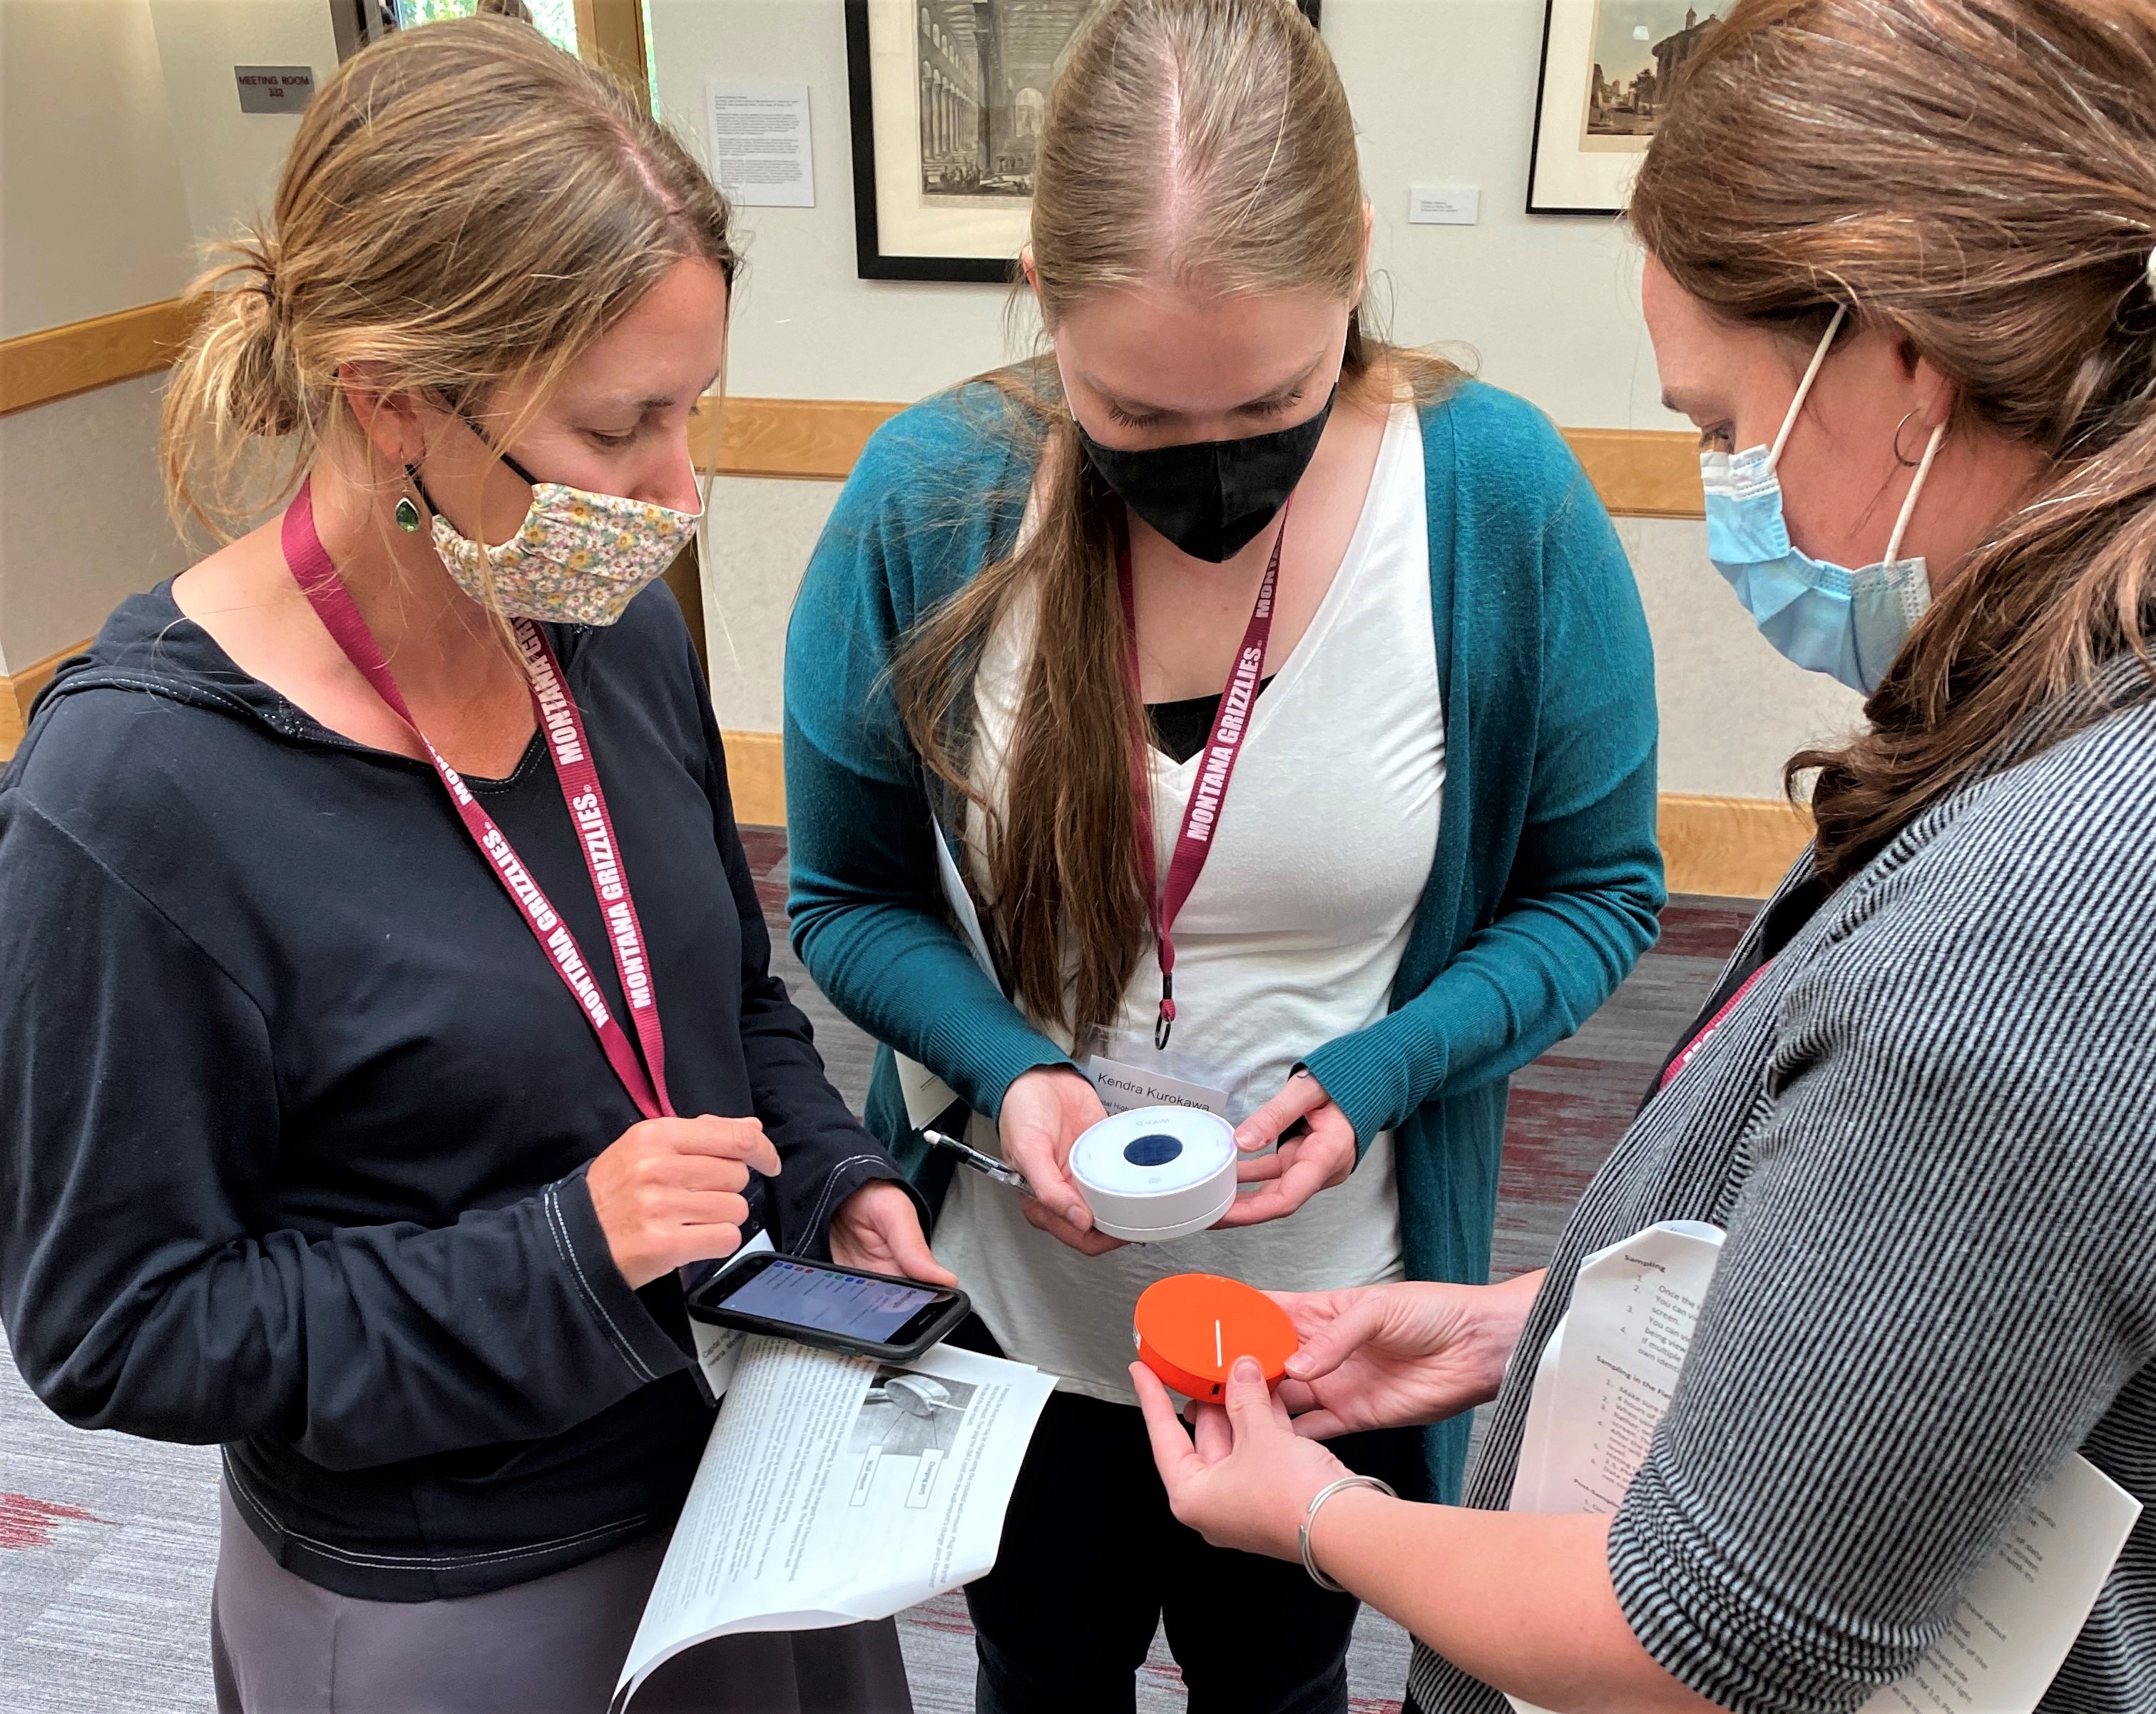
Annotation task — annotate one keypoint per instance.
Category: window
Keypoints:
(556, 19)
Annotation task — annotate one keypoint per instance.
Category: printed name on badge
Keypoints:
(1122, 1087)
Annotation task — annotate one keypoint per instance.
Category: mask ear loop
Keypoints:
(1804, 387)
(1916, 487)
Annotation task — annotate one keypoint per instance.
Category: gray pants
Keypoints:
(554, 1646)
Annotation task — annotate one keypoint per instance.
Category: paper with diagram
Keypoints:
(835, 1489)
(1605, 1380)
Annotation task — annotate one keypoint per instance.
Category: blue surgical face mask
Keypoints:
(1826, 617)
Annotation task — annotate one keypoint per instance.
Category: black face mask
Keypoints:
(1211, 497)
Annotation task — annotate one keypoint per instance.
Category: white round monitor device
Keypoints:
(1153, 1173)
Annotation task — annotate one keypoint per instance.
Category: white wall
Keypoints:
(1732, 710)
(96, 217)
(229, 159)
(82, 515)
(96, 221)
(122, 150)
(1443, 93)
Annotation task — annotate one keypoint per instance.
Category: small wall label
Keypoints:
(1444, 205)
(275, 89)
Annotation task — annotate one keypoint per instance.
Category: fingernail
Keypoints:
(1298, 1365)
(1247, 1369)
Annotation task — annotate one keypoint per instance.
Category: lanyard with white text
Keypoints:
(1209, 792)
(1679, 1061)
(564, 729)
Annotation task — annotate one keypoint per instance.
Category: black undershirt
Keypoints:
(1180, 729)
(1788, 914)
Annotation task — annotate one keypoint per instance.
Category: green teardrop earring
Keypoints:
(407, 515)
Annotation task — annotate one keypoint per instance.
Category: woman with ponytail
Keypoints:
(388, 1018)
(1902, 273)
(1283, 701)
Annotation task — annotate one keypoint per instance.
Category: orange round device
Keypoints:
(1191, 1328)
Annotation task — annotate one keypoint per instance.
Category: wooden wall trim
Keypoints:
(1639, 472)
(1735, 848)
(17, 690)
(1730, 848)
(610, 35)
(756, 774)
(37, 368)
(804, 440)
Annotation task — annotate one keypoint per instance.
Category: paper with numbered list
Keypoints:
(835, 1489)
(1605, 1379)
(926, 1095)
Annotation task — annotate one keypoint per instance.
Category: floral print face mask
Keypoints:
(579, 558)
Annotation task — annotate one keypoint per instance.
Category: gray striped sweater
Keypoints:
(1929, 1129)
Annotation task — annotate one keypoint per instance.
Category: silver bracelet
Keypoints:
(1310, 1518)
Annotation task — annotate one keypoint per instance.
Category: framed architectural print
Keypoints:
(946, 98)
(1607, 66)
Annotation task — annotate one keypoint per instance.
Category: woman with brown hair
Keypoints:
(1288, 702)
(388, 1017)
(1901, 272)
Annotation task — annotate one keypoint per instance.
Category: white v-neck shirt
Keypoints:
(1291, 938)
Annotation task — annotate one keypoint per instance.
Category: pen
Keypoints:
(988, 1165)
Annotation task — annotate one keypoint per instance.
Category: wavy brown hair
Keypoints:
(1199, 141)
(464, 205)
(1978, 177)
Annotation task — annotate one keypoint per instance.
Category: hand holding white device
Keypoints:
(1152, 1174)
(1148, 1174)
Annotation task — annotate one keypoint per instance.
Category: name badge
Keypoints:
(927, 1096)
(1122, 1087)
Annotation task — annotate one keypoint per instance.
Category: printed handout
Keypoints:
(1606, 1377)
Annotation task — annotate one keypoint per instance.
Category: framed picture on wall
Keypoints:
(1607, 66)
(946, 98)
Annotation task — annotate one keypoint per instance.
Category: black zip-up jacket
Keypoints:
(295, 1112)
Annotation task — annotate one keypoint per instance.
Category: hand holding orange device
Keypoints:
(1191, 1327)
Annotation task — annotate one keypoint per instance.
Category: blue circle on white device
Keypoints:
(1149, 1173)
(1155, 1149)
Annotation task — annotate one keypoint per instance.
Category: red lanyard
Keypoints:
(564, 727)
(1208, 794)
(1707, 1032)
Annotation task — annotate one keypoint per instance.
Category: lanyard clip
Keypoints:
(1164, 1025)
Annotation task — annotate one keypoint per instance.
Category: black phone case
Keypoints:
(954, 1312)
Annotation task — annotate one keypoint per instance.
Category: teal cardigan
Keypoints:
(1546, 882)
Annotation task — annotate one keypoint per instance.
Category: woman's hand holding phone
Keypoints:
(1316, 1157)
(878, 1229)
(668, 1191)
(1043, 1114)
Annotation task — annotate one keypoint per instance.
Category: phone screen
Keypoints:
(844, 1304)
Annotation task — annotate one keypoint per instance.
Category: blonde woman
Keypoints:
(1434, 855)
(1902, 276)
(377, 931)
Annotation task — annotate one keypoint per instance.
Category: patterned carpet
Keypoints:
(107, 1544)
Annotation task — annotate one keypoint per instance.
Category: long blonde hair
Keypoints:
(1978, 177)
(464, 205)
(1203, 142)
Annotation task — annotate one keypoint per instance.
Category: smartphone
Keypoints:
(834, 1308)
